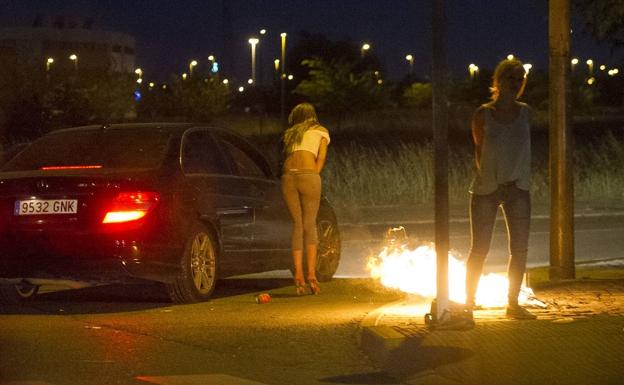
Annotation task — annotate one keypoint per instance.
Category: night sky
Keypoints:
(171, 33)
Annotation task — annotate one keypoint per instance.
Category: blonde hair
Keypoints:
(301, 119)
(504, 68)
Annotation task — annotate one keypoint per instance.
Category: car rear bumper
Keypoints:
(86, 258)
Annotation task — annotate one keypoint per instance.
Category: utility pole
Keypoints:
(440, 137)
(560, 138)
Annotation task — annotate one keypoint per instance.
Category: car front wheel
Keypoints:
(197, 277)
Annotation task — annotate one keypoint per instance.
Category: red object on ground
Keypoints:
(263, 298)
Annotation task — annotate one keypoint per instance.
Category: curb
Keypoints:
(377, 341)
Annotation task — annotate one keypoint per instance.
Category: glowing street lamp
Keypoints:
(510, 57)
(590, 67)
(574, 62)
(283, 81)
(473, 69)
(49, 62)
(253, 42)
(603, 67)
(527, 67)
(276, 63)
(263, 31)
(410, 60)
(365, 47)
(73, 57)
(192, 64)
(139, 72)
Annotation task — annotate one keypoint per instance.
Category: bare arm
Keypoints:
(322, 155)
(477, 134)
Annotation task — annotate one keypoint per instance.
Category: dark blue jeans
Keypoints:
(516, 205)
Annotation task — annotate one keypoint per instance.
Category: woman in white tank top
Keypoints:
(502, 139)
(305, 147)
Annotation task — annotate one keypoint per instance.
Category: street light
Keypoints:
(590, 67)
(510, 57)
(410, 60)
(473, 70)
(73, 57)
(192, 64)
(574, 62)
(527, 67)
(49, 62)
(283, 82)
(253, 42)
(365, 47)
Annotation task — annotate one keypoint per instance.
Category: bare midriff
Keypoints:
(300, 161)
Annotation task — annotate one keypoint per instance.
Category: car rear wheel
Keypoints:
(17, 293)
(198, 269)
(328, 244)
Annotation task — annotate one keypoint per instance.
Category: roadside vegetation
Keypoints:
(402, 173)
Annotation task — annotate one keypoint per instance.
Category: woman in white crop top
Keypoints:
(305, 148)
(502, 139)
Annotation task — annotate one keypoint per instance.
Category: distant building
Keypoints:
(95, 50)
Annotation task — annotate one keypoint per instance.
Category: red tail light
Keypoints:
(131, 206)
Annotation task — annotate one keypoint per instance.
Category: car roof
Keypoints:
(173, 127)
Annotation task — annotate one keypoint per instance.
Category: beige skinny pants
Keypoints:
(302, 194)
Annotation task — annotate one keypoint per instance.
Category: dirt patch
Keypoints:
(582, 298)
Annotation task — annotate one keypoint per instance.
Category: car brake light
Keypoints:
(131, 206)
(77, 167)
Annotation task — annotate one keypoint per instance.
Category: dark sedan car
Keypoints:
(175, 203)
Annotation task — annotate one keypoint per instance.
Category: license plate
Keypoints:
(46, 206)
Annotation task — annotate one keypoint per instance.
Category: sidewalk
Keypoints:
(577, 339)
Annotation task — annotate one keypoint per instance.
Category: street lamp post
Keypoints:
(590, 67)
(473, 69)
(49, 62)
(283, 81)
(73, 57)
(365, 47)
(192, 64)
(253, 42)
(410, 60)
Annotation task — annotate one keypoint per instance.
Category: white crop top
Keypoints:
(311, 141)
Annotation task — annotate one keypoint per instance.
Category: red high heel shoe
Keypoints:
(299, 286)
(314, 286)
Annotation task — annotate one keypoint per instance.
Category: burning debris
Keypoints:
(410, 266)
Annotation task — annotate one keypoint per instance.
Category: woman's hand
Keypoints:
(322, 155)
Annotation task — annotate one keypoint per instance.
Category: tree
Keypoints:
(200, 99)
(604, 19)
(418, 95)
(336, 87)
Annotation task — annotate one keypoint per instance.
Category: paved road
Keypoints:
(596, 238)
(116, 335)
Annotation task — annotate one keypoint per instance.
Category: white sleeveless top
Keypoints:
(505, 153)
(311, 141)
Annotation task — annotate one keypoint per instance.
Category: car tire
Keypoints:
(18, 293)
(328, 257)
(197, 277)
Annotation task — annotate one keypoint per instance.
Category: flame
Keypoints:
(413, 270)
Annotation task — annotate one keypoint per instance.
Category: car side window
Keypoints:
(246, 160)
(200, 154)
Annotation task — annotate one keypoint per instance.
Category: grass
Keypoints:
(402, 172)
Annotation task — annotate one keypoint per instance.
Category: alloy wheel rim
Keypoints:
(202, 263)
(328, 246)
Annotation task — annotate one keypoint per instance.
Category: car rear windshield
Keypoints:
(94, 148)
